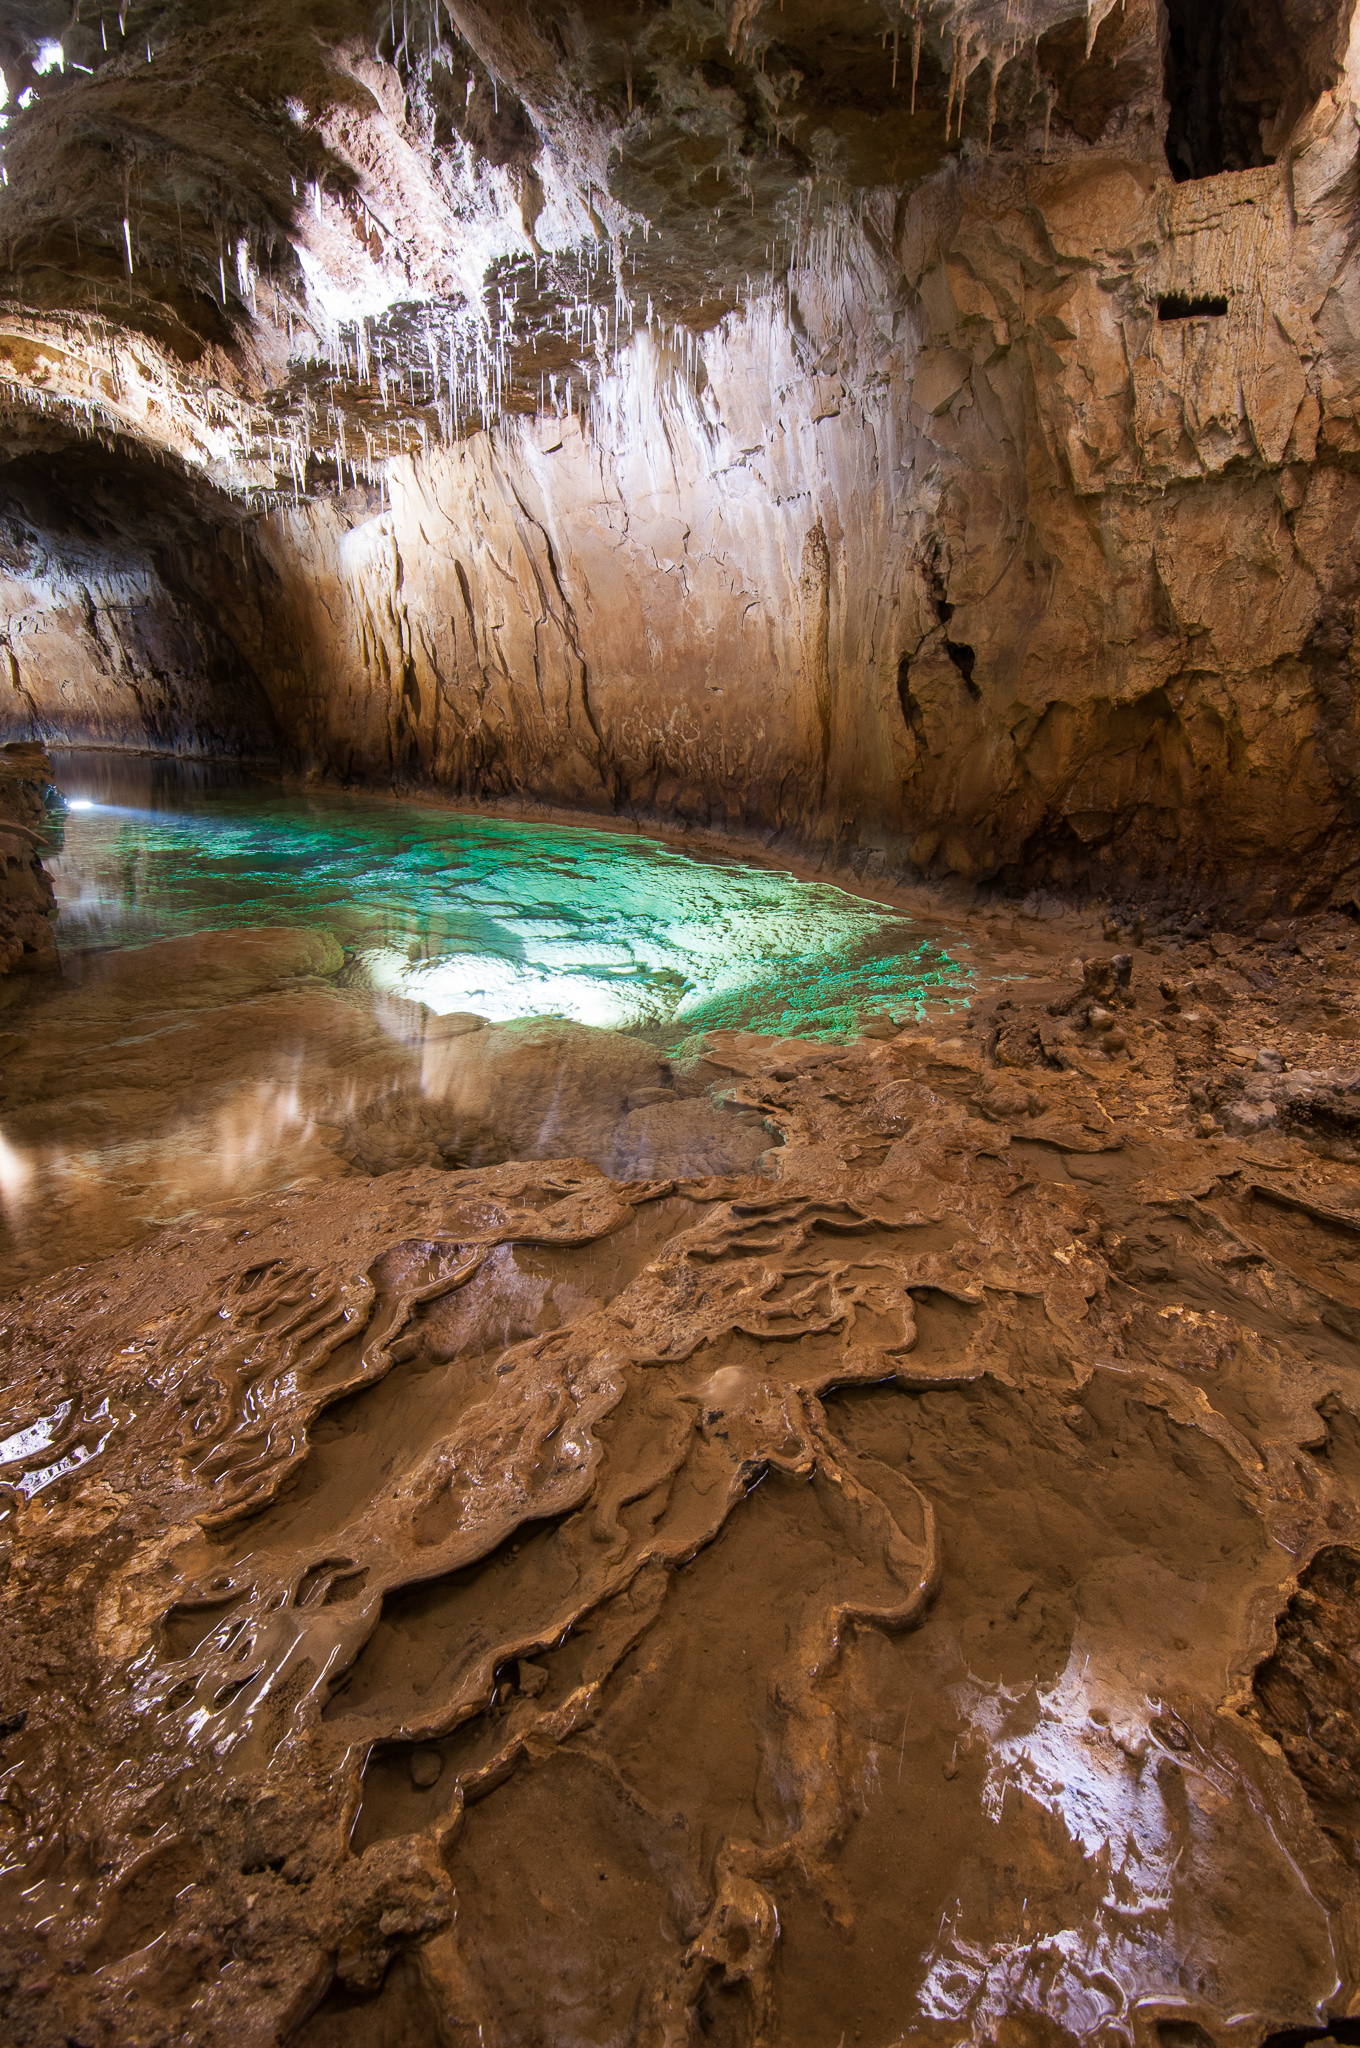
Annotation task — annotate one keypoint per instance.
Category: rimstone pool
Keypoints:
(262, 987)
(496, 917)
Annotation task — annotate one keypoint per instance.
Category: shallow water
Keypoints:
(494, 916)
(814, 1584)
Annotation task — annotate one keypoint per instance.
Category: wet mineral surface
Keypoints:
(898, 1584)
(638, 1459)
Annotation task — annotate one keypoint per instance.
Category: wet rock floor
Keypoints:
(867, 1550)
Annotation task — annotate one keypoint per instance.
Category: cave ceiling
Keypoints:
(274, 244)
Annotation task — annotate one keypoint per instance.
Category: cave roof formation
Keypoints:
(816, 419)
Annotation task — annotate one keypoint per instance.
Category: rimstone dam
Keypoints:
(679, 1023)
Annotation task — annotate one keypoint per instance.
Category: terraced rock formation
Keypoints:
(902, 1592)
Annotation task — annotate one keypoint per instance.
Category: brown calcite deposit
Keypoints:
(895, 1579)
(512, 1536)
(904, 1590)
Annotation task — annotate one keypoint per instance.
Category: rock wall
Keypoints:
(1142, 395)
(1016, 542)
(104, 636)
(659, 615)
(26, 899)
(966, 489)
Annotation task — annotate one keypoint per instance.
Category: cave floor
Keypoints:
(869, 1552)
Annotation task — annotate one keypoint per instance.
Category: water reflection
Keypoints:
(464, 913)
(1122, 1831)
(263, 987)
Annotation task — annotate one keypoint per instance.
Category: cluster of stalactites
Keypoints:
(964, 36)
(426, 371)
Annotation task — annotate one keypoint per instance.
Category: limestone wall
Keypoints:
(104, 645)
(960, 558)
(1008, 533)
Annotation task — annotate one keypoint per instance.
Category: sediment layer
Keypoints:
(905, 1588)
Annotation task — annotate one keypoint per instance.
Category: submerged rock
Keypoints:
(26, 900)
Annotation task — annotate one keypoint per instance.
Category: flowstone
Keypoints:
(904, 1591)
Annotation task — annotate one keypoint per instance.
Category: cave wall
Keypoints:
(962, 557)
(107, 633)
(1148, 523)
(1000, 525)
(655, 616)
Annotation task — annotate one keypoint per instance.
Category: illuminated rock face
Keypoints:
(938, 446)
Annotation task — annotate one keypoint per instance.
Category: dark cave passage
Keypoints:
(1237, 76)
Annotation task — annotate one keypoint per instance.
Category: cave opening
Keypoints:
(1237, 78)
(1192, 306)
(142, 578)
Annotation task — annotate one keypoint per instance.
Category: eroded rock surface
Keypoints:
(907, 1590)
(929, 436)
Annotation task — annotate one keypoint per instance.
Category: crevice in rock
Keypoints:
(1308, 1698)
(911, 717)
(1183, 306)
(964, 659)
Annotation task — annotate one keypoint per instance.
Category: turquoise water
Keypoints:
(469, 913)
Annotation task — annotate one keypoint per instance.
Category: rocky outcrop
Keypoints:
(26, 899)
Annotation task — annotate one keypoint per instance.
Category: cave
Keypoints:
(679, 1023)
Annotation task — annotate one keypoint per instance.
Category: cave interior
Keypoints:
(679, 1002)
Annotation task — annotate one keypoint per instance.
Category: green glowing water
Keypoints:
(462, 912)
